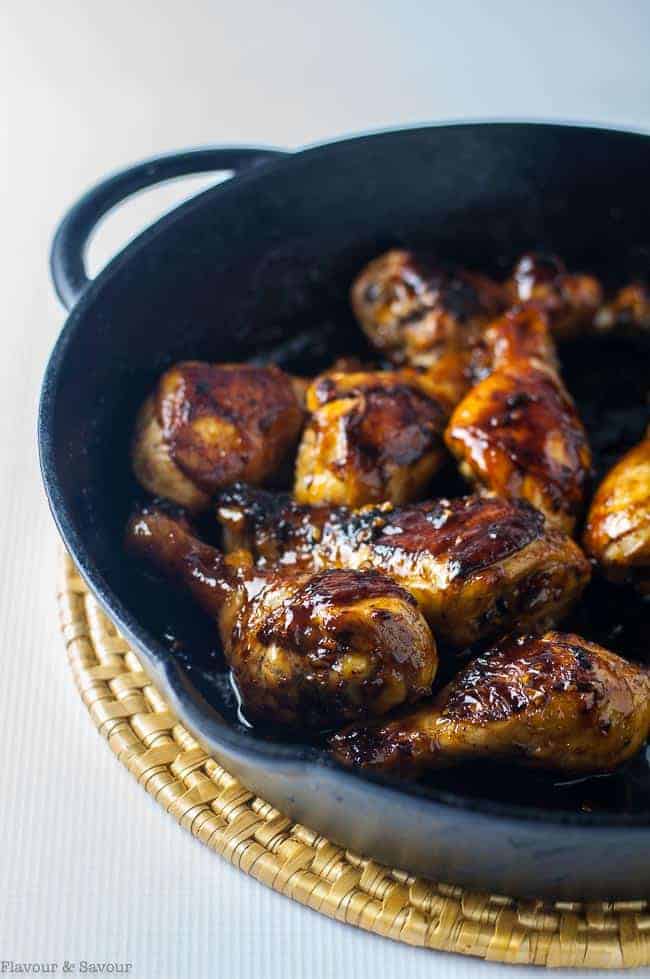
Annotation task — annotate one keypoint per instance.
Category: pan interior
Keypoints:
(261, 268)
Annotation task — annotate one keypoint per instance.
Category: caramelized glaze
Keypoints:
(570, 301)
(414, 309)
(617, 533)
(517, 433)
(210, 424)
(307, 650)
(371, 436)
(476, 565)
(227, 422)
(555, 702)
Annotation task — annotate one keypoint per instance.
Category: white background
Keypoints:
(90, 867)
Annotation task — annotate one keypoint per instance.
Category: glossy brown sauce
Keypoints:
(439, 524)
(507, 433)
(252, 407)
(469, 532)
(456, 290)
(310, 621)
(608, 378)
(519, 674)
(416, 420)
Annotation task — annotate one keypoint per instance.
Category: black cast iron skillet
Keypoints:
(261, 265)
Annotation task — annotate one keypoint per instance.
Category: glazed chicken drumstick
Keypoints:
(477, 566)
(307, 650)
(414, 309)
(570, 302)
(207, 425)
(617, 533)
(574, 303)
(371, 436)
(555, 702)
(517, 432)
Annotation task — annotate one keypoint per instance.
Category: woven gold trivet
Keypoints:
(146, 736)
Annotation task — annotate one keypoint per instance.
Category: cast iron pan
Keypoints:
(260, 266)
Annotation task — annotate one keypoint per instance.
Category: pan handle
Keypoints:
(67, 258)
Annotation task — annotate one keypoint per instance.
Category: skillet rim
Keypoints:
(240, 742)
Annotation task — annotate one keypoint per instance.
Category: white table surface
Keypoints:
(90, 867)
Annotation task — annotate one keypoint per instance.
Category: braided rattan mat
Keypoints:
(146, 736)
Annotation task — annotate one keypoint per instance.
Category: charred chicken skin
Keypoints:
(414, 310)
(617, 533)
(555, 702)
(207, 425)
(517, 432)
(370, 436)
(476, 565)
(309, 650)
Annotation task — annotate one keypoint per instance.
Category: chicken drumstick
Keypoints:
(555, 702)
(207, 425)
(309, 650)
(477, 566)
